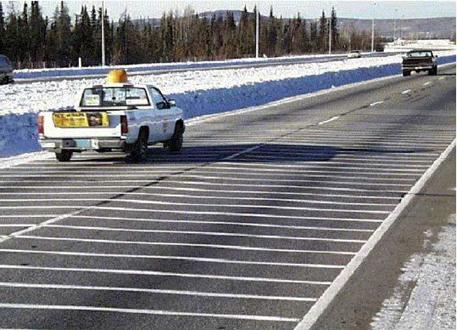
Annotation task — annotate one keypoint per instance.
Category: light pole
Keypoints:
(395, 24)
(372, 28)
(103, 33)
(330, 36)
(257, 19)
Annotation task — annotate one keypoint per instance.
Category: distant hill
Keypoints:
(412, 28)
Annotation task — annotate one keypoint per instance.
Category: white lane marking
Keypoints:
(92, 218)
(441, 78)
(167, 257)
(202, 183)
(146, 312)
(158, 202)
(166, 274)
(197, 245)
(203, 233)
(227, 177)
(427, 83)
(46, 207)
(329, 120)
(153, 291)
(190, 196)
(206, 197)
(406, 91)
(15, 225)
(376, 103)
(313, 315)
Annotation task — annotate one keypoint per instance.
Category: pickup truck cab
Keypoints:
(419, 60)
(116, 116)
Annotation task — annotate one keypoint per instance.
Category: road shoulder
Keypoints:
(362, 298)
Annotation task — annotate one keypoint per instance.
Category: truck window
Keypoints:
(114, 96)
(157, 98)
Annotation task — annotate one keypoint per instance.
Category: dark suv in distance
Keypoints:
(6, 70)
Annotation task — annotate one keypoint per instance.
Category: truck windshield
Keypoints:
(114, 97)
(420, 54)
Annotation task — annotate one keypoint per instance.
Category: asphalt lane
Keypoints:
(245, 229)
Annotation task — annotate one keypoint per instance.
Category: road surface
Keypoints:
(245, 229)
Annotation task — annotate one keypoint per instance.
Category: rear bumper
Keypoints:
(417, 68)
(82, 144)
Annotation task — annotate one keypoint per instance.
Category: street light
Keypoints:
(395, 24)
(330, 35)
(372, 28)
(257, 32)
(103, 33)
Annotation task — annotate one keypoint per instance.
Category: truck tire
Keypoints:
(64, 155)
(406, 73)
(140, 148)
(433, 72)
(176, 141)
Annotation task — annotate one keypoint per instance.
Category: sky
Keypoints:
(286, 8)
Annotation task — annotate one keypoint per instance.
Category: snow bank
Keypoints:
(198, 93)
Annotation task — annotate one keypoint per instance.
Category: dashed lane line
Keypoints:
(406, 91)
(376, 103)
(329, 120)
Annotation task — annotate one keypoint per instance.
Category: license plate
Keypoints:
(80, 119)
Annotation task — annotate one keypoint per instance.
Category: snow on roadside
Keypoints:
(197, 92)
(425, 295)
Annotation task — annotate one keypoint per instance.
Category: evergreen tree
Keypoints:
(323, 33)
(2, 29)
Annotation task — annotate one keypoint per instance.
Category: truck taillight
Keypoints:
(41, 125)
(124, 125)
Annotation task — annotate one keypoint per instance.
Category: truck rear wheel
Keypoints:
(140, 148)
(64, 155)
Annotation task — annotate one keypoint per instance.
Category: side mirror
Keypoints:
(436, 56)
(172, 103)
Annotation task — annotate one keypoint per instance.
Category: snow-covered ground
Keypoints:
(197, 92)
(425, 295)
(153, 67)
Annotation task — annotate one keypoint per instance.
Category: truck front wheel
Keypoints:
(176, 141)
(64, 155)
(406, 73)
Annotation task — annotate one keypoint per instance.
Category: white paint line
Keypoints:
(167, 195)
(406, 91)
(92, 219)
(168, 257)
(376, 103)
(166, 274)
(203, 233)
(15, 225)
(441, 78)
(343, 278)
(73, 201)
(45, 207)
(146, 312)
(153, 291)
(197, 245)
(427, 83)
(329, 120)
(196, 196)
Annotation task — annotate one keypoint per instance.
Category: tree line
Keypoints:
(32, 40)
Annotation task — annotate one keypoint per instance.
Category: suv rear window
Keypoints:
(114, 97)
(420, 54)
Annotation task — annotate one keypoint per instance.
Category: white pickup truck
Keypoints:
(116, 116)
